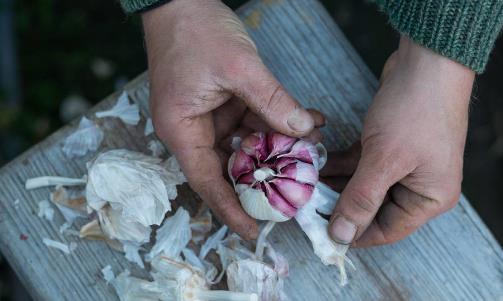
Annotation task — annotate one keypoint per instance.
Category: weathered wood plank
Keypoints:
(454, 257)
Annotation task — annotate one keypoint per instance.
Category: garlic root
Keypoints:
(40, 182)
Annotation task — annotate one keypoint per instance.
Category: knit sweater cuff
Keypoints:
(138, 6)
(462, 30)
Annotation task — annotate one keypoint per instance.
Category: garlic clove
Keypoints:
(304, 151)
(278, 202)
(255, 145)
(295, 193)
(256, 204)
(279, 144)
(281, 163)
(241, 164)
(301, 172)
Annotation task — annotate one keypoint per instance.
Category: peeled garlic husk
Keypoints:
(132, 183)
(316, 229)
(173, 236)
(274, 175)
(128, 113)
(86, 138)
(252, 276)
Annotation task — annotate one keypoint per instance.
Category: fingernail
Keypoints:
(300, 120)
(342, 230)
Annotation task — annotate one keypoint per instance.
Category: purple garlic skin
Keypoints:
(283, 168)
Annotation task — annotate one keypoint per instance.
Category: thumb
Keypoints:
(265, 96)
(363, 196)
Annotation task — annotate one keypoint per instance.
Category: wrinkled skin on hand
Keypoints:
(208, 85)
(407, 168)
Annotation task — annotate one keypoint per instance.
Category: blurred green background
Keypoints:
(58, 58)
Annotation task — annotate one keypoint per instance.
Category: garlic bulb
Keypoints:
(274, 175)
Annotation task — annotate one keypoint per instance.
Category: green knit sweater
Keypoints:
(462, 30)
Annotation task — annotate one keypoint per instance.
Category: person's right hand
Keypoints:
(204, 74)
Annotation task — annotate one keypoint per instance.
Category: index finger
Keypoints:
(191, 140)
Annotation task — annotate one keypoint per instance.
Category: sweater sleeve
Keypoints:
(138, 6)
(462, 30)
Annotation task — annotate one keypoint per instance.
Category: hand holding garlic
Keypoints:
(205, 74)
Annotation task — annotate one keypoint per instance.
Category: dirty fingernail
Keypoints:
(342, 230)
(300, 121)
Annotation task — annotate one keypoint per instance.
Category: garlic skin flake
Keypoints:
(86, 138)
(67, 249)
(128, 113)
(132, 183)
(45, 210)
(274, 175)
(149, 127)
(251, 276)
(157, 148)
(173, 236)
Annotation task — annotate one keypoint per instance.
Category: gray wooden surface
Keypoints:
(454, 257)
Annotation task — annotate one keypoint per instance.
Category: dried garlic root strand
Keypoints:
(40, 182)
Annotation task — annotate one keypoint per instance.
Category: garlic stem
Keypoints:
(263, 174)
(261, 240)
(330, 196)
(54, 181)
(224, 296)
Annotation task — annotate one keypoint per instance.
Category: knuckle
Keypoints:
(364, 200)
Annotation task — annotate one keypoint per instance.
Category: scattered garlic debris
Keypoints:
(108, 273)
(67, 249)
(172, 236)
(201, 225)
(149, 127)
(86, 138)
(128, 113)
(315, 227)
(132, 183)
(45, 210)
(132, 254)
(157, 148)
(46, 181)
(71, 205)
(252, 276)
(212, 242)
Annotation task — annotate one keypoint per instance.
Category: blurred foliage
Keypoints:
(57, 42)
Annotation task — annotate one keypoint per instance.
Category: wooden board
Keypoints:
(454, 257)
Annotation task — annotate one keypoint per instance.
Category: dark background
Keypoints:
(60, 57)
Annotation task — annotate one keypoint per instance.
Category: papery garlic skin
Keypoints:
(274, 175)
(86, 138)
(251, 276)
(133, 183)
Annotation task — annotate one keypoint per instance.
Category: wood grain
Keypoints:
(454, 257)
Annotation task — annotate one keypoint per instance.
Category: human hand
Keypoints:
(410, 166)
(205, 74)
